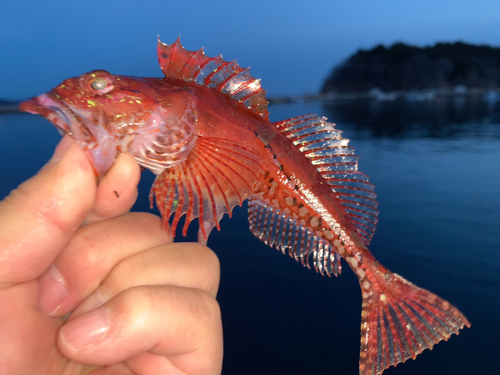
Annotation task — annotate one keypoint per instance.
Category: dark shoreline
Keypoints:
(9, 106)
(379, 95)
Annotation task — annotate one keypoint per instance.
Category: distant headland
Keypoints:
(403, 67)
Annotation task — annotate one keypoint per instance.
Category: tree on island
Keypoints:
(405, 67)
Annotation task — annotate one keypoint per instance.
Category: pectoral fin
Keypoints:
(217, 175)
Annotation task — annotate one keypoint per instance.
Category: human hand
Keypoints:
(141, 304)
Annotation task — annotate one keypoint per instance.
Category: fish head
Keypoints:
(102, 112)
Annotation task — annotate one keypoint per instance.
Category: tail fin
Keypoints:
(401, 322)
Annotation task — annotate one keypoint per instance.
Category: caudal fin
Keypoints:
(401, 322)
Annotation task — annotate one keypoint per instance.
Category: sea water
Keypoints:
(436, 168)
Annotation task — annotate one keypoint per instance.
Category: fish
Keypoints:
(204, 130)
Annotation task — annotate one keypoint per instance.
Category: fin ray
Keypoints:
(217, 175)
(401, 322)
(325, 148)
(279, 230)
(214, 72)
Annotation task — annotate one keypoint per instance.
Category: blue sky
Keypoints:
(291, 45)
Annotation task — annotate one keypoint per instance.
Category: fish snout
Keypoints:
(34, 107)
(50, 109)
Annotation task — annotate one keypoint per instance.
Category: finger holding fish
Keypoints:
(116, 191)
(91, 254)
(153, 329)
(187, 265)
(36, 221)
(40, 216)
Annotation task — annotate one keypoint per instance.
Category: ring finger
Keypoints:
(188, 265)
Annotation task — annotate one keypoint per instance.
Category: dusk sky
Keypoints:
(291, 45)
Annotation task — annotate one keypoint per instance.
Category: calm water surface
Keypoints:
(436, 167)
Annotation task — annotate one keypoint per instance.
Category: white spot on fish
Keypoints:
(314, 222)
(382, 297)
(352, 261)
(328, 234)
(366, 285)
(360, 273)
(289, 201)
(366, 294)
(341, 250)
(303, 211)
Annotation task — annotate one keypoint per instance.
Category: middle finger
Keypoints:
(90, 255)
(184, 264)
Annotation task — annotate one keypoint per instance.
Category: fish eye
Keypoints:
(99, 84)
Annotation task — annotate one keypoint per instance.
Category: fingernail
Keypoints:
(61, 149)
(85, 330)
(52, 291)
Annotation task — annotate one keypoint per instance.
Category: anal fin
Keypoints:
(401, 322)
(281, 231)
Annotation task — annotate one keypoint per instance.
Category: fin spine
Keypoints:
(214, 72)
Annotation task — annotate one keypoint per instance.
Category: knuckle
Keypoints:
(134, 306)
(207, 308)
(124, 275)
(207, 257)
(84, 243)
(143, 219)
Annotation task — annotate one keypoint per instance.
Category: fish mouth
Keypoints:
(99, 147)
(50, 109)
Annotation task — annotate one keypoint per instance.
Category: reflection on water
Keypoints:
(456, 117)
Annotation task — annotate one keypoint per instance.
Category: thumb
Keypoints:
(38, 218)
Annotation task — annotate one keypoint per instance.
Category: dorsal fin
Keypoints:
(323, 145)
(227, 77)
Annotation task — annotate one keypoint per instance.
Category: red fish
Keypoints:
(203, 129)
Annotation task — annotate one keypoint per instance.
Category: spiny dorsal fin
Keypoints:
(227, 77)
(323, 145)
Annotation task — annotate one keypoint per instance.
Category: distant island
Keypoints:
(402, 71)
(403, 67)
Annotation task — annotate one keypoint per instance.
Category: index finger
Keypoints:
(116, 191)
(38, 218)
